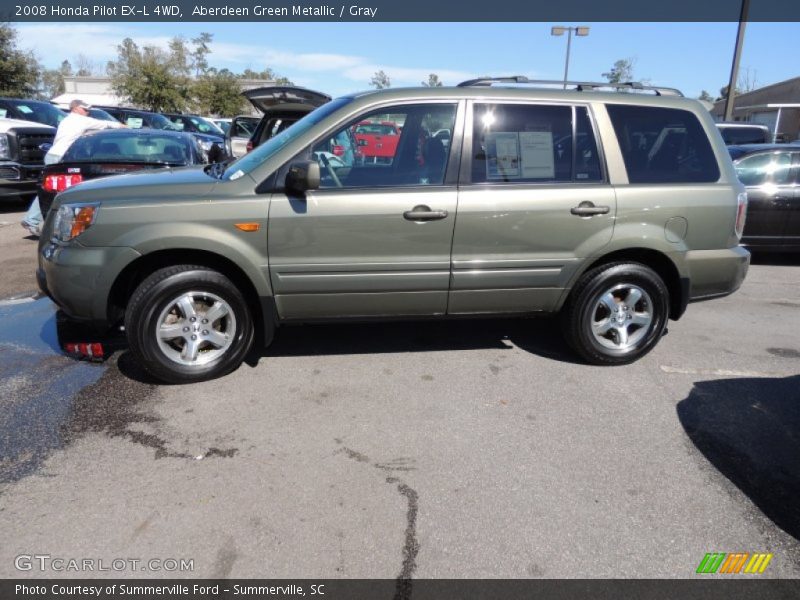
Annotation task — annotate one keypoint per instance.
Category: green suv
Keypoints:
(613, 209)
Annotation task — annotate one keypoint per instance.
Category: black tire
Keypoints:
(157, 293)
(585, 309)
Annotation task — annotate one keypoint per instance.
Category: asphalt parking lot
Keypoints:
(433, 449)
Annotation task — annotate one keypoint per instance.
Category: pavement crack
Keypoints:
(411, 545)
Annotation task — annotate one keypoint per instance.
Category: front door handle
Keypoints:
(588, 209)
(424, 213)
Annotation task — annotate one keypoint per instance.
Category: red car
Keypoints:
(377, 141)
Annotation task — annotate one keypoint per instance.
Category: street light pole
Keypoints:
(560, 30)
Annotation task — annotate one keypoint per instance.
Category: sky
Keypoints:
(338, 58)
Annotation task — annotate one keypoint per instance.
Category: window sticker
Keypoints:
(520, 155)
(537, 154)
(503, 163)
(134, 122)
(24, 109)
(3, 113)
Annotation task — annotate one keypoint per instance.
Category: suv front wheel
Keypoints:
(188, 323)
(617, 313)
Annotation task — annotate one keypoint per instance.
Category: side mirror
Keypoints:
(303, 176)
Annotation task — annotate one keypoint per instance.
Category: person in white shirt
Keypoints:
(73, 126)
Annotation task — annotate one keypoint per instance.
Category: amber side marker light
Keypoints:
(82, 221)
(249, 227)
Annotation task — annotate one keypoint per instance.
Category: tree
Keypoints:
(85, 66)
(200, 53)
(267, 74)
(19, 71)
(705, 96)
(52, 83)
(621, 72)
(151, 77)
(380, 80)
(747, 81)
(433, 81)
(218, 93)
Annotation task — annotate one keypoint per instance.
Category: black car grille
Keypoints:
(28, 146)
(9, 173)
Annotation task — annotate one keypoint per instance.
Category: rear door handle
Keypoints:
(424, 213)
(588, 209)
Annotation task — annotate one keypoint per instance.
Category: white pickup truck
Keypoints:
(23, 145)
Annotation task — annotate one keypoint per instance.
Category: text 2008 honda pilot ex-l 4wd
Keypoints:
(614, 209)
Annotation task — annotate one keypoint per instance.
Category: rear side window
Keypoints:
(663, 145)
(522, 143)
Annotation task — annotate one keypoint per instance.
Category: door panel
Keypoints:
(353, 253)
(521, 246)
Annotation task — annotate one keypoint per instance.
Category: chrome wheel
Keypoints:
(622, 317)
(195, 328)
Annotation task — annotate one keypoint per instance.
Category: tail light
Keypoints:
(338, 150)
(92, 351)
(249, 146)
(59, 183)
(741, 213)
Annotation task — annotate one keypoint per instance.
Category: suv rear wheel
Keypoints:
(188, 323)
(617, 313)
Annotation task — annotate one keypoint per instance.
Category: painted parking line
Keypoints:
(721, 372)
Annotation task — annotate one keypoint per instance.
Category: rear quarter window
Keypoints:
(663, 145)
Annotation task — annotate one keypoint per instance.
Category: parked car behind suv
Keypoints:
(771, 175)
(617, 237)
(117, 151)
(744, 133)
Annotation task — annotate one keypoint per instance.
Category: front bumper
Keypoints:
(79, 278)
(716, 273)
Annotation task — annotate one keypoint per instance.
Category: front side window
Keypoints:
(663, 145)
(522, 143)
(394, 146)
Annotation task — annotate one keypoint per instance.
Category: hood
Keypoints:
(143, 186)
(6, 124)
(285, 98)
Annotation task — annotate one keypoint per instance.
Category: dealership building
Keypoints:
(777, 106)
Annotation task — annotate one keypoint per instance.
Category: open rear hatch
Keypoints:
(285, 99)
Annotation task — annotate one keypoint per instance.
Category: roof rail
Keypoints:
(579, 86)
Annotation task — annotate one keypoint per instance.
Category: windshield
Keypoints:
(162, 122)
(377, 129)
(253, 159)
(39, 112)
(97, 113)
(204, 126)
(132, 146)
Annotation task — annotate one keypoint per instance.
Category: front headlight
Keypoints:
(206, 145)
(71, 220)
(5, 152)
